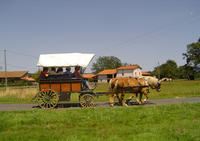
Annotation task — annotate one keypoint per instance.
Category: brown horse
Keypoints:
(150, 81)
(127, 84)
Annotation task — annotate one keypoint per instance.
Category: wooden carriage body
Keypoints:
(62, 85)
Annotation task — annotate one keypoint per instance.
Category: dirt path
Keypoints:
(16, 107)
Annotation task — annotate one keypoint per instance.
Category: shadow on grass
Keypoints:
(62, 105)
(132, 103)
(68, 105)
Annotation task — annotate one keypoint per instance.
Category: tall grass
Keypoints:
(17, 94)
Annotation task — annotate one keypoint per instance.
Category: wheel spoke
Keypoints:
(50, 93)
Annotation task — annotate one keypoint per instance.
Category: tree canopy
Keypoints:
(190, 70)
(192, 55)
(106, 62)
(168, 69)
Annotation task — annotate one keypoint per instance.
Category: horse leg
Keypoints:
(116, 95)
(112, 96)
(122, 99)
(141, 94)
(146, 95)
(137, 101)
(130, 98)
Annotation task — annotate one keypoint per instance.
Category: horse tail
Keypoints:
(110, 84)
(116, 85)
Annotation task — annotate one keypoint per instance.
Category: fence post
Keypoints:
(6, 81)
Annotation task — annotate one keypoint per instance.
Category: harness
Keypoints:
(129, 86)
(139, 82)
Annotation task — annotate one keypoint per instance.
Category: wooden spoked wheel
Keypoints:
(47, 98)
(87, 100)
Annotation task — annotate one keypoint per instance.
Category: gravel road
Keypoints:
(17, 107)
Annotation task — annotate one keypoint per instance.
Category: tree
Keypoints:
(182, 74)
(106, 62)
(192, 57)
(128, 64)
(186, 72)
(168, 69)
(36, 75)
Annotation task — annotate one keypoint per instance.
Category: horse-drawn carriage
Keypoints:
(55, 88)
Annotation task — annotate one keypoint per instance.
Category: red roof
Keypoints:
(107, 71)
(145, 74)
(29, 79)
(129, 67)
(88, 75)
(14, 74)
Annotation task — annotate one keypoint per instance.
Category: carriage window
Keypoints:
(122, 74)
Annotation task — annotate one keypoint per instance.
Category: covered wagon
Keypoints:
(55, 88)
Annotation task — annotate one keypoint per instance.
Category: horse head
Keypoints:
(158, 86)
(153, 82)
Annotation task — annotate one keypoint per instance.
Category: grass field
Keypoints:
(15, 95)
(175, 89)
(154, 123)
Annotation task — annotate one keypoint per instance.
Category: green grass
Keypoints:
(175, 89)
(154, 123)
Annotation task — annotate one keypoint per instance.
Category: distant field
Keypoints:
(15, 95)
(178, 88)
(156, 123)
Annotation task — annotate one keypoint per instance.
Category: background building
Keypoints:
(106, 75)
(13, 76)
(129, 71)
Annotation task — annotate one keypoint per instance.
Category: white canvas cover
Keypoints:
(65, 59)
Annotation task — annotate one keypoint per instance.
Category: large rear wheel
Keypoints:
(47, 98)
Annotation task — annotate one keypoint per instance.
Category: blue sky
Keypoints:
(142, 32)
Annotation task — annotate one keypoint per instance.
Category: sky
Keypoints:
(143, 32)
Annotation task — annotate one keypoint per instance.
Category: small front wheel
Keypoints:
(87, 100)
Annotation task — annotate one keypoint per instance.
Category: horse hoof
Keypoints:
(125, 105)
(111, 105)
(138, 102)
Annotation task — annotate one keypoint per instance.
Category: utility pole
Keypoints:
(6, 81)
(158, 70)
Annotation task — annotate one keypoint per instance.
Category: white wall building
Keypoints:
(129, 71)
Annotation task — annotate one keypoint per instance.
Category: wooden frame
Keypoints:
(64, 87)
